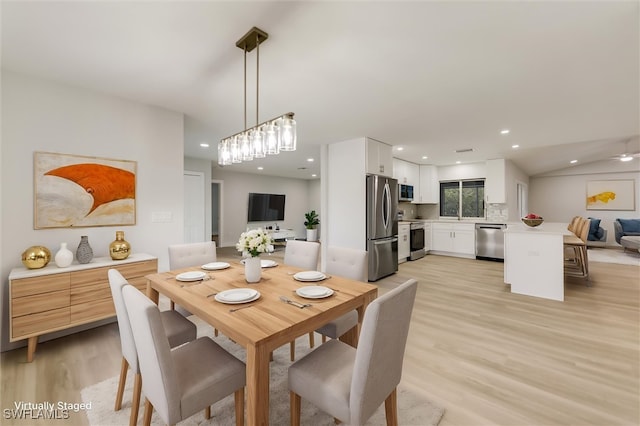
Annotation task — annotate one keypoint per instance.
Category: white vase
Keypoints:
(312, 235)
(252, 269)
(64, 256)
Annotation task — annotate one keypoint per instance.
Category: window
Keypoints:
(462, 199)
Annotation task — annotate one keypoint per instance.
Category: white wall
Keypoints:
(202, 166)
(39, 115)
(561, 195)
(462, 171)
(513, 175)
(235, 199)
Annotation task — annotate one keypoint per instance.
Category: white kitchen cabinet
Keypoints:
(456, 238)
(406, 172)
(495, 187)
(429, 187)
(404, 246)
(427, 237)
(379, 158)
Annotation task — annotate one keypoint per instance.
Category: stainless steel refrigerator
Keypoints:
(382, 226)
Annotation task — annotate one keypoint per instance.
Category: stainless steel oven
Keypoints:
(416, 240)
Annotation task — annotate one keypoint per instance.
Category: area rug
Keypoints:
(610, 255)
(413, 409)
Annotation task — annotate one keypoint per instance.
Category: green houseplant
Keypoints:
(311, 221)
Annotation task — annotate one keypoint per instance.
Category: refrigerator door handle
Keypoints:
(386, 205)
(386, 241)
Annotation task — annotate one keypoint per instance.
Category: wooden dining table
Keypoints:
(266, 323)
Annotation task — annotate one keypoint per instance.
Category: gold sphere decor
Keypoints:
(119, 249)
(36, 257)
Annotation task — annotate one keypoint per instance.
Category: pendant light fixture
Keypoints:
(266, 138)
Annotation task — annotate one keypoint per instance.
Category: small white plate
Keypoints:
(214, 266)
(314, 292)
(268, 263)
(309, 276)
(191, 276)
(237, 295)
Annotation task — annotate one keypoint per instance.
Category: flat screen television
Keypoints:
(265, 207)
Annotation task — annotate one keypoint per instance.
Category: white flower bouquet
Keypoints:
(254, 242)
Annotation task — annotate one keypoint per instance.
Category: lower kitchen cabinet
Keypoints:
(455, 238)
(404, 243)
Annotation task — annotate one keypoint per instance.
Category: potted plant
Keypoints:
(310, 223)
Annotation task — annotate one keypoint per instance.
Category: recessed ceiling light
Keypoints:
(458, 162)
(310, 160)
(625, 158)
(260, 168)
(573, 161)
(314, 175)
(424, 157)
(515, 146)
(400, 148)
(204, 145)
(504, 131)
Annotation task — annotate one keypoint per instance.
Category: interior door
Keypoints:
(194, 210)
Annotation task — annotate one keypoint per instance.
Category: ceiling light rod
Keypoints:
(267, 138)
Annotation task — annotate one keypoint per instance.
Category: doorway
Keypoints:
(522, 196)
(194, 218)
(216, 211)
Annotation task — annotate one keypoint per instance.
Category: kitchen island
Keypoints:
(534, 260)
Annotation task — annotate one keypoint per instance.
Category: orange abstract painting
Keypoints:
(611, 195)
(76, 191)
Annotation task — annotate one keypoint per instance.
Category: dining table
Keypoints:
(268, 322)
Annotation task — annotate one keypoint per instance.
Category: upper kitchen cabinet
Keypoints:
(407, 173)
(379, 158)
(495, 184)
(429, 189)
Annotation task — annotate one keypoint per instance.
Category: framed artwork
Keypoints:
(611, 195)
(77, 191)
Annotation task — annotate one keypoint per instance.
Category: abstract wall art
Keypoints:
(611, 195)
(78, 191)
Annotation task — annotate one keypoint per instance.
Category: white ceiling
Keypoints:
(431, 77)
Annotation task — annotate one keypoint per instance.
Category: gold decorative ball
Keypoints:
(36, 257)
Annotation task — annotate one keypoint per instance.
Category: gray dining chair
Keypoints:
(303, 255)
(180, 382)
(348, 263)
(178, 330)
(349, 383)
(191, 254)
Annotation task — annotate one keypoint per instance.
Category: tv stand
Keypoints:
(281, 236)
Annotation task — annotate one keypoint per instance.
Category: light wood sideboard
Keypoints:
(50, 299)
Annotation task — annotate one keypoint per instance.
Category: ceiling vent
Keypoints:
(458, 151)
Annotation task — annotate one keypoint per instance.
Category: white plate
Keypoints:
(314, 292)
(268, 263)
(214, 266)
(237, 295)
(191, 276)
(309, 276)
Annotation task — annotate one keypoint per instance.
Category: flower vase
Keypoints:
(252, 269)
(64, 256)
(119, 249)
(84, 253)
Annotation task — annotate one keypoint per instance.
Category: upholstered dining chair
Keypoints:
(191, 254)
(304, 255)
(349, 383)
(180, 382)
(178, 329)
(348, 263)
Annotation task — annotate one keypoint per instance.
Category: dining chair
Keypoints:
(348, 263)
(180, 382)
(304, 255)
(191, 254)
(577, 263)
(178, 329)
(349, 383)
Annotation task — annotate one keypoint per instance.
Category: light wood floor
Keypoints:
(487, 356)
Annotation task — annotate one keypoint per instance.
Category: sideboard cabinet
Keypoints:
(50, 299)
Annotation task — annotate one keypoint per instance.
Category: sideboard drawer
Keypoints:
(92, 310)
(38, 285)
(39, 303)
(26, 325)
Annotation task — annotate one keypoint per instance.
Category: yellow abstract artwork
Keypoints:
(611, 195)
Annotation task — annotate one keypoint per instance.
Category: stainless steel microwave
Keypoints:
(405, 192)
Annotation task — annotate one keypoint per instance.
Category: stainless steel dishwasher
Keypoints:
(490, 241)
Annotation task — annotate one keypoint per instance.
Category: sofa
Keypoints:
(597, 236)
(627, 233)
